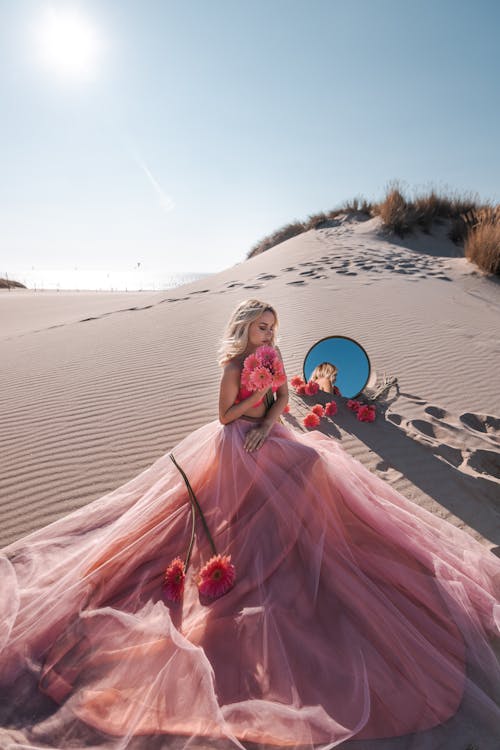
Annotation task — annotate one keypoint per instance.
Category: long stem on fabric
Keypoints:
(193, 499)
(191, 541)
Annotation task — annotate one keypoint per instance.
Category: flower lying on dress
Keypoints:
(263, 369)
(173, 580)
(217, 576)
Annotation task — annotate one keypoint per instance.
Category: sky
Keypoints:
(188, 130)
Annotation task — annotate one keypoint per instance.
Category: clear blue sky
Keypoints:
(210, 123)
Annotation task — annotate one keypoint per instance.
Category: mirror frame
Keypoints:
(347, 338)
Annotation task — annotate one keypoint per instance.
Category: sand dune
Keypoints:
(96, 386)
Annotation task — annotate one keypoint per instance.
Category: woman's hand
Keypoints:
(254, 439)
(257, 396)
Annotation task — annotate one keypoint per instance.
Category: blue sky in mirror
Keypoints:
(160, 137)
(348, 356)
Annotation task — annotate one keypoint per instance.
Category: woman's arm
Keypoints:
(229, 389)
(277, 408)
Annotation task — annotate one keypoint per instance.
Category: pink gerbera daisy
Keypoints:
(251, 362)
(330, 409)
(266, 355)
(301, 390)
(286, 409)
(260, 378)
(173, 580)
(217, 576)
(311, 420)
(318, 410)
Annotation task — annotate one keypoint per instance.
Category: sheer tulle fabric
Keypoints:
(356, 617)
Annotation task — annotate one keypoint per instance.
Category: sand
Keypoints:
(96, 386)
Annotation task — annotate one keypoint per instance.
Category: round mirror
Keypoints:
(338, 361)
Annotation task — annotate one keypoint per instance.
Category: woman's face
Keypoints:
(261, 331)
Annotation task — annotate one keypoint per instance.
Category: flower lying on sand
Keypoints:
(330, 409)
(312, 388)
(296, 381)
(173, 580)
(217, 576)
(311, 420)
(366, 413)
(318, 410)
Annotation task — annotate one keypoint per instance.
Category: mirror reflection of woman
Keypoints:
(325, 374)
(349, 612)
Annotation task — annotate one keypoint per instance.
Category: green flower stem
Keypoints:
(194, 504)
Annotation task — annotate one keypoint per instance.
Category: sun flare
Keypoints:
(68, 43)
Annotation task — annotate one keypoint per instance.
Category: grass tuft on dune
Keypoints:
(473, 225)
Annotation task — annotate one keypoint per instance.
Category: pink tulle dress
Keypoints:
(356, 618)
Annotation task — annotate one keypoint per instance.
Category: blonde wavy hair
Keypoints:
(324, 370)
(235, 338)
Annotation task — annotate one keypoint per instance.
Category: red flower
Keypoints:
(296, 381)
(173, 580)
(366, 413)
(286, 409)
(318, 410)
(217, 576)
(301, 390)
(311, 420)
(336, 391)
(353, 404)
(312, 388)
(330, 409)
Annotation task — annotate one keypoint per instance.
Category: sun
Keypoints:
(68, 43)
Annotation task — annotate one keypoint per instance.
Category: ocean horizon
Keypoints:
(100, 280)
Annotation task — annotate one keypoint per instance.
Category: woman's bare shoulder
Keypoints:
(231, 370)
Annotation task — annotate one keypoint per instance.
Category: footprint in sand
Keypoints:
(485, 462)
(252, 286)
(483, 423)
(290, 268)
(265, 276)
(296, 283)
(436, 411)
(394, 418)
(451, 455)
(234, 283)
(200, 291)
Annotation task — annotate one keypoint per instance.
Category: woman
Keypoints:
(351, 615)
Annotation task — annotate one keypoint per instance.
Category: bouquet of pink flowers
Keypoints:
(263, 369)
